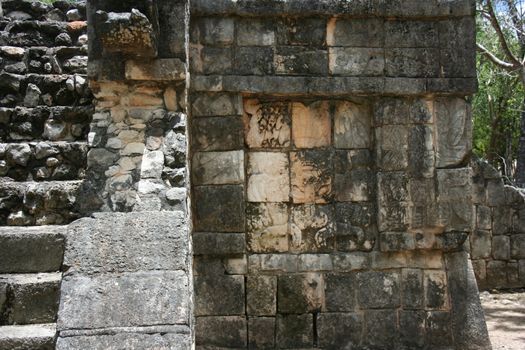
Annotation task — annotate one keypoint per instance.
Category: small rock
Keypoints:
(80, 83)
(55, 130)
(43, 173)
(32, 97)
(12, 52)
(70, 84)
(176, 195)
(126, 164)
(19, 219)
(114, 143)
(3, 168)
(82, 40)
(100, 158)
(52, 162)
(63, 39)
(77, 130)
(149, 186)
(16, 68)
(133, 148)
(18, 153)
(44, 149)
(76, 26)
(73, 15)
(19, 16)
(76, 64)
(55, 15)
(152, 165)
(47, 99)
(153, 143)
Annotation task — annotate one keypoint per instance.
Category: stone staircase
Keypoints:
(30, 277)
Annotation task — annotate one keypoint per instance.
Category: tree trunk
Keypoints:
(520, 166)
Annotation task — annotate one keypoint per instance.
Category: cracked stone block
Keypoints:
(311, 176)
(356, 61)
(353, 180)
(295, 331)
(219, 295)
(268, 177)
(218, 168)
(297, 294)
(352, 125)
(267, 124)
(380, 328)
(393, 199)
(454, 131)
(355, 227)
(392, 147)
(412, 284)
(339, 330)
(312, 229)
(219, 208)
(340, 292)
(378, 289)
(356, 32)
(261, 295)
(267, 227)
(221, 331)
(217, 134)
(311, 124)
(436, 291)
(261, 332)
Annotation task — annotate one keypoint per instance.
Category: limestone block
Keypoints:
(211, 60)
(302, 31)
(159, 69)
(216, 31)
(501, 247)
(356, 61)
(412, 328)
(480, 270)
(346, 262)
(380, 328)
(483, 217)
(354, 180)
(457, 61)
(206, 243)
(261, 295)
(378, 289)
(497, 274)
(273, 263)
(352, 123)
(295, 331)
(268, 177)
(221, 331)
(412, 284)
(219, 295)
(300, 293)
(502, 220)
(217, 134)
(156, 341)
(315, 262)
(454, 131)
(98, 301)
(339, 330)
(481, 244)
(356, 228)
(436, 291)
(392, 147)
(518, 246)
(267, 124)
(255, 32)
(412, 62)
(219, 208)
(311, 124)
(397, 241)
(411, 34)
(137, 242)
(152, 165)
(300, 60)
(221, 104)
(423, 208)
(356, 32)
(267, 227)
(254, 60)
(421, 154)
(393, 199)
(311, 176)
(340, 292)
(391, 111)
(261, 332)
(454, 199)
(218, 168)
(438, 327)
(312, 228)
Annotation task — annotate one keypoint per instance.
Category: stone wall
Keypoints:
(45, 111)
(330, 180)
(497, 245)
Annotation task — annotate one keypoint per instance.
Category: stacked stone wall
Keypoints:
(45, 111)
(497, 245)
(330, 180)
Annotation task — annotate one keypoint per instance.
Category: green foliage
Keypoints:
(497, 105)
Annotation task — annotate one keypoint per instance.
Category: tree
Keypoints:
(501, 42)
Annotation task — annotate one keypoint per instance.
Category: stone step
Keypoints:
(31, 249)
(43, 161)
(29, 298)
(40, 203)
(29, 337)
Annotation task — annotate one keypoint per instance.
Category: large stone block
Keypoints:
(355, 227)
(436, 291)
(391, 111)
(412, 284)
(411, 62)
(356, 61)
(311, 124)
(254, 60)
(211, 60)
(295, 331)
(438, 329)
(380, 329)
(411, 34)
(159, 69)
(261, 332)
(421, 155)
(300, 60)
(454, 199)
(302, 31)
(273, 263)
(378, 290)
(268, 177)
(454, 131)
(207, 243)
(517, 248)
(217, 134)
(267, 227)
(497, 274)
(100, 301)
(480, 244)
(218, 168)
(261, 295)
(412, 329)
(354, 180)
(156, 341)
(119, 242)
(220, 104)
(221, 331)
(339, 330)
(393, 197)
(311, 176)
(267, 124)
(214, 31)
(312, 228)
(219, 208)
(297, 294)
(340, 292)
(352, 125)
(392, 147)
(219, 295)
(356, 32)
(255, 32)
(501, 247)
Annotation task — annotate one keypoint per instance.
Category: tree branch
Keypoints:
(499, 32)
(499, 62)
